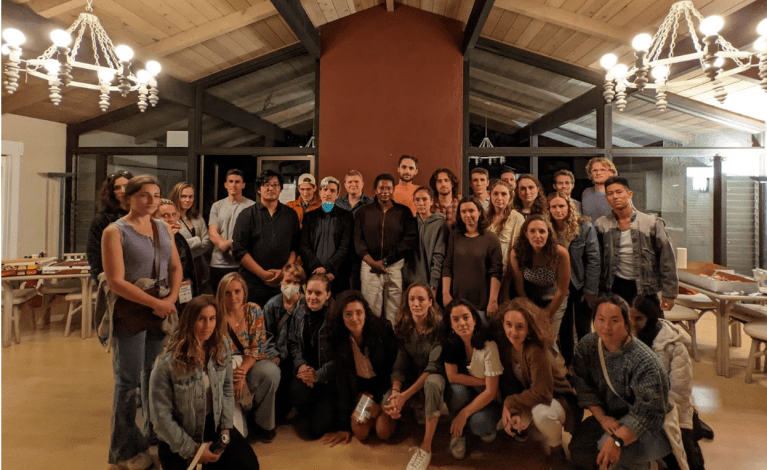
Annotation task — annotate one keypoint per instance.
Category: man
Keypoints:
(444, 183)
(355, 197)
(384, 234)
(223, 215)
(326, 237)
(508, 175)
(637, 256)
(425, 262)
(407, 168)
(564, 182)
(479, 181)
(593, 199)
(307, 200)
(266, 238)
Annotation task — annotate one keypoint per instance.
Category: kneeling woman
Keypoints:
(191, 394)
(472, 365)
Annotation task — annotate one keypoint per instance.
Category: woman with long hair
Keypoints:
(134, 249)
(111, 206)
(504, 221)
(576, 233)
(472, 366)
(473, 265)
(166, 211)
(541, 268)
(194, 229)
(254, 356)
(529, 196)
(418, 365)
(534, 383)
(192, 402)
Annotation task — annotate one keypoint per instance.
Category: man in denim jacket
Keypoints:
(637, 255)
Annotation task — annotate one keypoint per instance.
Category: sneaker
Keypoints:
(142, 461)
(257, 433)
(521, 436)
(489, 437)
(458, 447)
(420, 459)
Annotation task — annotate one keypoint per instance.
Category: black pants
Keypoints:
(283, 403)
(628, 290)
(577, 314)
(237, 455)
(317, 404)
(216, 274)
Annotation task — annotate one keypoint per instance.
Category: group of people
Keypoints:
(353, 310)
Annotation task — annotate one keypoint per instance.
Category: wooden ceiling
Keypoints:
(194, 39)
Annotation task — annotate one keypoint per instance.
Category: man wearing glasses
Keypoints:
(266, 238)
(564, 182)
(593, 199)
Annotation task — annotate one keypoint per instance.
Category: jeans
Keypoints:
(263, 379)
(132, 358)
(481, 423)
(578, 314)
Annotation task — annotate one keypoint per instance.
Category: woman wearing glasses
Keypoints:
(167, 212)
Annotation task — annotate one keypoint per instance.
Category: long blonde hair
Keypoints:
(403, 322)
(223, 284)
(572, 222)
(187, 351)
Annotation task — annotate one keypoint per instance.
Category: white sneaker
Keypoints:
(458, 447)
(489, 437)
(420, 459)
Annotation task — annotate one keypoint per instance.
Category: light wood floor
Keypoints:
(57, 396)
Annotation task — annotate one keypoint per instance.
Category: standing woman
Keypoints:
(128, 250)
(111, 206)
(194, 229)
(473, 265)
(541, 268)
(529, 197)
(192, 402)
(505, 221)
(576, 233)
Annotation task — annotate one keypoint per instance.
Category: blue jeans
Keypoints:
(132, 358)
(481, 423)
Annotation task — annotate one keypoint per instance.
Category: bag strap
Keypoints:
(600, 346)
(236, 340)
(156, 236)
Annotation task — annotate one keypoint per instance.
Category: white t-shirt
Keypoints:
(224, 215)
(625, 267)
(485, 362)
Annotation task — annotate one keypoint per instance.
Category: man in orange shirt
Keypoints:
(407, 168)
(308, 200)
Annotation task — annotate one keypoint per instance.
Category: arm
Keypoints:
(541, 389)
(219, 241)
(175, 270)
(306, 250)
(438, 256)
(462, 379)
(93, 251)
(495, 255)
(360, 244)
(295, 340)
(409, 239)
(336, 262)
(479, 402)
(592, 267)
(666, 264)
(161, 412)
(227, 413)
(519, 281)
(563, 281)
(447, 270)
(258, 347)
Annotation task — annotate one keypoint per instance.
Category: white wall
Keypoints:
(39, 202)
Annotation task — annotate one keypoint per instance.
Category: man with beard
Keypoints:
(444, 183)
(407, 168)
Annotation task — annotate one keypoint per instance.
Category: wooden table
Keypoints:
(85, 284)
(723, 304)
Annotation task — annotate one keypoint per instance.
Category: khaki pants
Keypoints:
(380, 289)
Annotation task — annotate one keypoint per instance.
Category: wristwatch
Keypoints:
(618, 441)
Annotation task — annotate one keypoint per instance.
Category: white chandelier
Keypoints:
(711, 51)
(56, 64)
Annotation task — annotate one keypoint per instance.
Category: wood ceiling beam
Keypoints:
(389, 5)
(308, 116)
(650, 129)
(210, 30)
(154, 134)
(525, 111)
(309, 97)
(111, 117)
(224, 110)
(62, 8)
(253, 65)
(565, 113)
(249, 101)
(295, 16)
(516, 86)
(567, 19)
(590, 133)
(475, 23)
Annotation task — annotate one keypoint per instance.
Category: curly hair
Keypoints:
(538, 320)
(451, 176)
(105, 199)
(187, 351)
(175, 196)
(339, 333)
(404, 324)
(604, 161)
(491, 208)
(572, 222)
(478, 338)
(524, 250)
(482, 222)
(540, 205)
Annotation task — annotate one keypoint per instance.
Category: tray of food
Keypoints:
(25, 266)
(67, 267)
(716, 278)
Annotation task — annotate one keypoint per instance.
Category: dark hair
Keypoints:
(491, 208)
(183, 344)
(479, 169)
(619, 302)
(235, 171)
(137, 182)
(653, 312)
(404, 324)
(383, 177)
(567, 173)
(338, 331)
(415, 160)
(106, 200)
(538, 322)
(478, 337)
(175, 196)
(265, 176)
(482, 223)
(540, 205)
(506, 169)
(524, 250)
(618, 180)
(450, 175)
(321, 277)
(425, 188)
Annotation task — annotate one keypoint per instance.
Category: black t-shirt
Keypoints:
(455, 353)
(312, 326)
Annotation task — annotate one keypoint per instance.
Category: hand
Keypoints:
(307, 375)
(608, 455)
(225, 245)
(238, 374)
(164, 308)
(276, 277)
(590, 299)
(666, 304)
(239, 387)
(332, 439)
(519, 424)
(276, 361)
(319, 270)
(208, 456)
(446, 298)
(331, 276)
(392, 410)
(378, 267)
(609, 424)
(457, 425)
(492, 307)
(174, 228)
(506, 421)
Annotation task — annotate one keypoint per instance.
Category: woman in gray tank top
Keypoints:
(127, 249)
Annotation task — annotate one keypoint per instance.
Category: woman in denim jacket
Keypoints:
(191, 394)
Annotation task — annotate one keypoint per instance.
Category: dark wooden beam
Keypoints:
(475, 23)
(720, 213)
(542, 62)
(308, 97)
(34, 26)
(465, 175)
(295, 16)
(163, 151)
(536, 151)
(221, 109)
(176, 91)
(316, 123)
(567, 112)
(605, 128)
(270, 151)
(733, 152)
(253, 65)
(69, 242)
(106, 119)
(195, 138)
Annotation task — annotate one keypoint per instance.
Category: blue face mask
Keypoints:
(327, 206)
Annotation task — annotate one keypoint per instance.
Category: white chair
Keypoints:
(686, 318)
(74, 300)
(20, 304)
(758, 333)
(741, 313)
(59, 287)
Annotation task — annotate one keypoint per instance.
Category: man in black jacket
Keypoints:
(384, 233)
(326, 237)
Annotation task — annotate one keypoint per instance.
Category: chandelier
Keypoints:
(57, 62)
(655, 56)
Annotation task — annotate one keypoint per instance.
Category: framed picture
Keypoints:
(290, 168)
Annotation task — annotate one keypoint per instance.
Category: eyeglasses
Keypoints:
(120, 174)
(271, 185)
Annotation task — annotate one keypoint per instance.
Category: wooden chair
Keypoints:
(21, 297)
(62, 287)
(686, 318)
(758, 333)
(75, 302)
(740, 314)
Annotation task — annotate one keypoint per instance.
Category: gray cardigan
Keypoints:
(425, 262)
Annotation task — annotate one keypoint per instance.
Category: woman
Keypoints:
(576, 233)
(534, 382)
(254, 357)
(130, 249)
(505, 221)
(167, 212)
(111, 206)
(194, 229)
(625, 429)
(365, 350)
(529, 197)
(472, 366)
(663, 337)
(418, 365)
(473, 265)
(541, 268)
(191, 390)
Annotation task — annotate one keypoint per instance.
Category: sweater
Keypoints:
(470, 263)
(425, 262)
